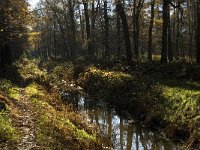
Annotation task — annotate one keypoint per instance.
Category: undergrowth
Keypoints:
(158, 94)
(106, 84)
(7, 131)
(172, 103)
(57, 124)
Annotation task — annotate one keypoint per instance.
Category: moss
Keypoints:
(105, 84)
(81, 133)
(5, 85)
(181, 104)
(55, 127)
(29, 70)
(7, 132)
(14, 93)
(33, 91)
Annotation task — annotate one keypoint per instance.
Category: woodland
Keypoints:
(100, 74)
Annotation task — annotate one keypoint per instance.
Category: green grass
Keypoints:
(13, 92)
(104, 84)
(33, 91)
(183, 101)
(167, 101)
(62, 128)
(28, 69)
(7, 132)
(81, 133)
(179, 106)
(5, 85)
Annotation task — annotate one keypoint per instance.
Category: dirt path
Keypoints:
(26, 124)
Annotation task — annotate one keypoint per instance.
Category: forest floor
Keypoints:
(34, 117)
(24, 123)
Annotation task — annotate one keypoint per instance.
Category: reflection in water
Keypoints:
(121, 131)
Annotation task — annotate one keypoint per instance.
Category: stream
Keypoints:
(121, 130)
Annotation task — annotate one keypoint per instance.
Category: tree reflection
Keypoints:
(120, 131)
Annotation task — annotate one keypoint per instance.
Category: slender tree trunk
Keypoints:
(92, 36)
(190, 41)
(134, 25)
(106, 37)
(120, 10)
(164, 32)
(121, 128)
(93, 17)
(94, 14)
(81, 25)
(62, 34)
(73, 29)
(129, 136)
(194, 13)
(87, 21)
(177, 33)
(170, 52)
(137, 36)
(61, 29)
(118, 36)
(150, 31)
(174, 33)
(198, 32)
(137, 6)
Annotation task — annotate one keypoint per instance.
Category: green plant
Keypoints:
(7, 132)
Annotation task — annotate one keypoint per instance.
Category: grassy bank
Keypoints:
(168, 98)
(56, 125)
(7, 130)
(158, 95)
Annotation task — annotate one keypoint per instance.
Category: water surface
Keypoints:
(123, 132)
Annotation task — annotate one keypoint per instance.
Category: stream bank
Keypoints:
(154, 102)
(36, 118)
(119, 128)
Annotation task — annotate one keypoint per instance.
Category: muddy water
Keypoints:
(122, 131)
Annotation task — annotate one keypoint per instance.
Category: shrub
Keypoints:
(106, 84)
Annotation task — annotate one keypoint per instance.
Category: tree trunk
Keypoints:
(178, 33)
(137, 6)
(198, 32)
(120, 11)
(134, 25)
(137, 36)
(118, 36)
(54, 39)
(106, 40)
(174, 33)
(164, 32)
(87, 21)
(93, 17)
(61, 29)
(150, 31)
(73, 29)
(190, 32)
(81, 25)
(62, 33)
(170, 52)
